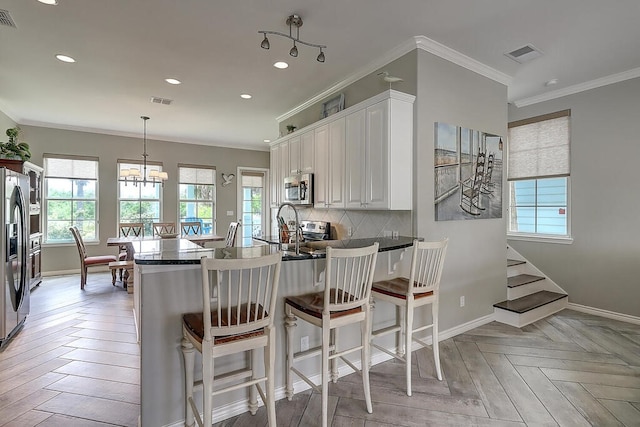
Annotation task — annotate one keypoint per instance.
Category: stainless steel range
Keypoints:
(315, 230)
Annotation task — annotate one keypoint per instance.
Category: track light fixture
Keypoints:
(292, 21)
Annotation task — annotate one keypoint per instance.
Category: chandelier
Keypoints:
(292, 21)
(154, 176)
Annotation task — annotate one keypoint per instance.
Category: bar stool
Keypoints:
(344, 301)
(421, 289)
(237, 316)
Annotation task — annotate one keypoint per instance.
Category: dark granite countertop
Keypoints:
(181, 251)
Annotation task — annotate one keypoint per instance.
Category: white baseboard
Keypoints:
(604, 313)
(76, 271)
(240, 407)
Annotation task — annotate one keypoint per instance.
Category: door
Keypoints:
(252, 206)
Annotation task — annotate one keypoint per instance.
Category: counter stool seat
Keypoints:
(344, 301)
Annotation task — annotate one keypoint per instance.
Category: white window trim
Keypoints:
(266, 210)
(214, 225)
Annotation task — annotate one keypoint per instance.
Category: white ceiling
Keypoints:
(126, 48)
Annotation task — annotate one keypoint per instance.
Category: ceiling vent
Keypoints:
(163, 101)
(524, 54)
(5, 19)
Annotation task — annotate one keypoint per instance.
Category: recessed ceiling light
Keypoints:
(281, 65)
(267, 140)
(551, 82)
(245, 96)
(51, 2)
(65, 58)
(173, 81)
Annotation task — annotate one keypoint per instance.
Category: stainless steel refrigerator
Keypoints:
(14, 265)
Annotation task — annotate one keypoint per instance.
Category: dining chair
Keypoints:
(231, 234)
(131, 229)
(160, 228)
(89, 261)
(191, 228)
(344, 301)
(238, 303)
(422, 288)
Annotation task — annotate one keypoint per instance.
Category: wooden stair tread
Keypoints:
(522, 279)
(512, 262)
(530, 302)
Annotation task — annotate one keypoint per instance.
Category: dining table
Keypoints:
(133, 245)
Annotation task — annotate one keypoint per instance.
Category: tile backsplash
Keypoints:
(359, 224)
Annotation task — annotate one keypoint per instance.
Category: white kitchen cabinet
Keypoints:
(301, 153)
(361, 157)
(379, 155)
(274, 176)
(329, 165)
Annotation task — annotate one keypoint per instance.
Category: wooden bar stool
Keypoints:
(237, 316)
(344, 301)
(420, 289)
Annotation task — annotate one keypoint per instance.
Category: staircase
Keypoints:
(530, 295)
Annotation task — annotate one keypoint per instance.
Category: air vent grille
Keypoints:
(5, 19)
(524, 54)
(163, 101)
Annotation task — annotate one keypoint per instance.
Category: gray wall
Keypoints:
(366, 87)
(600, 268)
(5, 123)
(475, 266)
(108, 149)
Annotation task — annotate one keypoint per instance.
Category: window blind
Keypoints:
(539, 147)
(57, 167)
(194, 175)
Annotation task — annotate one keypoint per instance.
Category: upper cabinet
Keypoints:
(301, 154)
(361, 157)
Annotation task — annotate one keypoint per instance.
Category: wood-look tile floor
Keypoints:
(76, 364)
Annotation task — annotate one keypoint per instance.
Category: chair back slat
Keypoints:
(82, 250)
(348, 277)
(191, 228)
(245, 291)
(131, 229)
(426, 265)
(163, 228)
(231, 234)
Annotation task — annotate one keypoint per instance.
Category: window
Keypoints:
(71, 197)
(139, 202)
(253, 214)
(539, 170)
(197, 196)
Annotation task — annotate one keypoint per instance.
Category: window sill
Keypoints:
(563, 240)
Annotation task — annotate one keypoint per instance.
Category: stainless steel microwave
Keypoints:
(298, 189)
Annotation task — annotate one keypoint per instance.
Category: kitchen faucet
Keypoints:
(280, 223)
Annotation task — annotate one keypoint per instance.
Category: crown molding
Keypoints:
(581, 87)
(417, 42)
(444, 52)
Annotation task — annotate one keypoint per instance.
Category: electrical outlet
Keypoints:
(349, 231)
(462, 301)
(386, 233)
(304, 343)
(395, 234)
(229, 213)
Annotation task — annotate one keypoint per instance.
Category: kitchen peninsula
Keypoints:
(168, 284)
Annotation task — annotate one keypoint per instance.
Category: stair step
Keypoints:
(522, 279)
(530, 302)
(512, 262)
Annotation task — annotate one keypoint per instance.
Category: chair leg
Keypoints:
(83, 277)
(333, 341)
(207, 385)
(402, 334)
(435, 340)
(113, 277)
(365, 327)
(270, 369)
(253, 398)
(121, 271)
(189, 361)
(325, 373)
(408, 338)
(290, 324)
